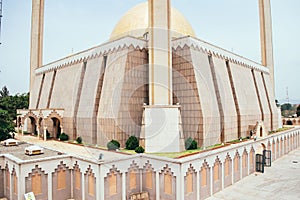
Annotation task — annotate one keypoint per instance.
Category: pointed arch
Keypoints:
(168, 180)
(113, 184)
(37, 182)
(205, 180)
(190, 182)
(227, 171)
(90, 183)
(132, 178)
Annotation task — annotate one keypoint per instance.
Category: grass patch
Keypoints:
(238, 140)
(285, 128)
(177, 154)
(187, 152)
(214, 146)
(127, 151)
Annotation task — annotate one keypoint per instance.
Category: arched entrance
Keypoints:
(32, 127)
(56, 128)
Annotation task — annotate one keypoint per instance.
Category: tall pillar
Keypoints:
(36, 49)
(160, 52)
(266, 39)
(161, 131)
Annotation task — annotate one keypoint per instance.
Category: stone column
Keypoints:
(36, 49)
(38, 131)
(62, 129)
(266, 39)
(45, 133)
(102, 184)
(198, 185)
(22, 127)
(83, 186)
(50, 185)
(123, 186)
(223, 174)
(211, 180)
(21, 183)
(157, 185)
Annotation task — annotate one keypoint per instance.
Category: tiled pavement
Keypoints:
(281, 181)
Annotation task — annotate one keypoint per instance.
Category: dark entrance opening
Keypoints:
(32, 128)
(56, 128)
(260, 163)
(268, 157)
(261, 131)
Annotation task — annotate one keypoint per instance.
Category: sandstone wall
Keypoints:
(64, 93)
(186, 94)
(122, 96)
(265, 108)
(230, 118)
(45, 91)
(208, 99)
(34, 93)
(246, 96)
(86, 116)
(275, 122)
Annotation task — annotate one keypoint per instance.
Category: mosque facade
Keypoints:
(210, 94)
(156, 80)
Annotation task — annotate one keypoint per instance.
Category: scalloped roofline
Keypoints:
(138, 43)
(219, 52)
(93, 52)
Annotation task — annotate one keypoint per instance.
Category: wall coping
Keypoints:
(93, 52)
(199, 44)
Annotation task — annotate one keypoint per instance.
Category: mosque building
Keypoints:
(153, 79)
(156, 80)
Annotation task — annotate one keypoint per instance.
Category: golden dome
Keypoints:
(135, 23)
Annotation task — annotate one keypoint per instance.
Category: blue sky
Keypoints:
(74, 25)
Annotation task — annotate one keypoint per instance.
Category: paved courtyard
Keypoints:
(280, 182)
(71, 149)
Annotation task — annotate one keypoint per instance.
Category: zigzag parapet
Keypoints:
(93, 53)
(217, 52)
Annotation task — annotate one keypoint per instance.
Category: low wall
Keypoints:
(193, 177)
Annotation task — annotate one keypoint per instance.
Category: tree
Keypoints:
(286, 109)
(12, 103)
(132, 143)
(6, 125)
(4, 92)
(298, 111)
(8, 110)
(286, 106)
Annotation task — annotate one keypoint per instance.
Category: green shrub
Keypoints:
(113, 145)
(4, 136)
(132, 143)
(63, 137)
(25, 132)
(190, 144)
(79, 140)
(47, 134)
(139, 149)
